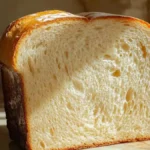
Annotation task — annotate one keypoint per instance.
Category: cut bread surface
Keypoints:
(85, 82)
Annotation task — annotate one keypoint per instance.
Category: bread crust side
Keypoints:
(14, 105)
(94, 145)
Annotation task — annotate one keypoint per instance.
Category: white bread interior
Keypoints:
(86, 83)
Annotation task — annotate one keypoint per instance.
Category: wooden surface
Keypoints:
(6, 144)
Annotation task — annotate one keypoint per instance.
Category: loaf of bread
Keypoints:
(76, 81)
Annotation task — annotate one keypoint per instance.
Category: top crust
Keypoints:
(22, 27)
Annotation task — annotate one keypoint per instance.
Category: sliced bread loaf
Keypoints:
(74, 82)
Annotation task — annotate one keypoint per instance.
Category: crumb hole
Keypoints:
(125, 47)
(45, 52)
(130, 40)
(66, 54)
(120, 55)
(129, 95)
(143, 48)
(119, 128)
(54, 77)
(66, 70)
(141, 107)
(37, 45)
(125, 107)
(96, 110)
(117, 73)
(135, 107)
(103, 119)
(147, 113)
(94, 96)
(96, 121)
(31, 69)
(58, 64)
(135, 60)
(52, 131)
(42, 144)
(107, 57)
(87, 42)
(69, 106)
(102, 108)
(130, 54)
(78, 85)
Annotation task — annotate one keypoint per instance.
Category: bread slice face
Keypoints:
(85, 80)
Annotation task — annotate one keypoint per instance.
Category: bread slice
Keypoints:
(74, 82)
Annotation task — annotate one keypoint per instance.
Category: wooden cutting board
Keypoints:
(6, 144)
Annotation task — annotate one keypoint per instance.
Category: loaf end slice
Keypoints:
(85, 80)
(14, 104)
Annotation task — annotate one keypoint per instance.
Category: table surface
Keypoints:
(7, 144)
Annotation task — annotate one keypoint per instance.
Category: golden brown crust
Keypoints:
(21, 28)
(106, 143)
(93, 145)
(13, 34)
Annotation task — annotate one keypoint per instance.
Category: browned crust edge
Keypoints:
(19, 29)
(14, 104)
(94, 145)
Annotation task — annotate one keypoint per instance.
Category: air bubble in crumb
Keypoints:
(66, 69)
(125, 107)
(130, 54)
(69, 106)
(42, 144)
(52, 131)
(107, 57)
(119, 128)
(130, 40)
(66, 54)
(30, 65)
(78, 85)
(141, 107)
(58, 64)
(45, 52)
(125, 47)
(54, 76)
(103, 119)
(94, 95)
(96, 110)
(129, 95)
(143, 48)
(147, 113)
(117, 73)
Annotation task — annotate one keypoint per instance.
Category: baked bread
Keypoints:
(73, 82)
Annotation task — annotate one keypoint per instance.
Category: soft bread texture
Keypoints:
(85, 79)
